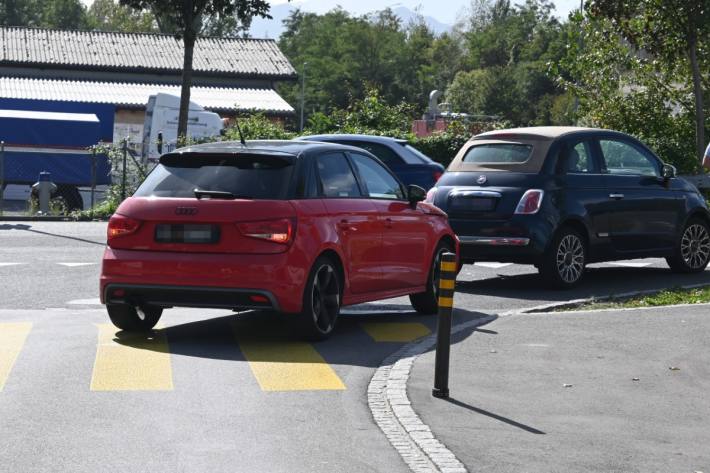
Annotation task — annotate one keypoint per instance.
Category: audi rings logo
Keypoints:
(186, 211)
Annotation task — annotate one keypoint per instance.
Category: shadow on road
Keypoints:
(597, 282)
(478, 410)
(218, 338)
(28, 228)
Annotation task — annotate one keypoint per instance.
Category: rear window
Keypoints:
(247, 177)
(498, 153)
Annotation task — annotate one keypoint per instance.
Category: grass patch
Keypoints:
(675, 296)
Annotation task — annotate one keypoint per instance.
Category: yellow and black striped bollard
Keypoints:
(447, 282)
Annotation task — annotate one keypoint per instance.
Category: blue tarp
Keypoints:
(53, 142)
(104, 112)
(24, 168)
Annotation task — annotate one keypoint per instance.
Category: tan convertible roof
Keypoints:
(538, 132)
(539, 137)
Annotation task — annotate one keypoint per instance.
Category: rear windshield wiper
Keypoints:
(207, 194)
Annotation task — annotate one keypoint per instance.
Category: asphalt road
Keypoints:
(210, 390)
(577, 392)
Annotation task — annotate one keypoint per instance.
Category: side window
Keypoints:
(579, 159)
(625, 159)
(383, 153)
(379, 182)
(336, 176)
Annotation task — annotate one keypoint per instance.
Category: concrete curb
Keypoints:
(393, 413)
(547, 308)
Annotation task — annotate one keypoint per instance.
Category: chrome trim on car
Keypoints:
(474, 193)
(494, 241)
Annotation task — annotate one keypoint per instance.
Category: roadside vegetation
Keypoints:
(668, 297)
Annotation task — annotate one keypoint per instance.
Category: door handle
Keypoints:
(388, 222)
(616, 196)
(344, 225)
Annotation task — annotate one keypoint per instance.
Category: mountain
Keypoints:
(265, 28)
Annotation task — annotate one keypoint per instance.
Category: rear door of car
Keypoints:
(354, 218)
(645, 212)
(407, 232)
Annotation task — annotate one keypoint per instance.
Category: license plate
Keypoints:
(188, 233)
(474, 204)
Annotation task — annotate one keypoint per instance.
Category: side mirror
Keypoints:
(415, 194)
(668, 171)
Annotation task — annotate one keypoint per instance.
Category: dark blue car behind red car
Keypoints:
(408, 163)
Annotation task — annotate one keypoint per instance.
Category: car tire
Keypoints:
(692, 251)
(322, 299)
(562, 265)
(134, 319)
(427, 302)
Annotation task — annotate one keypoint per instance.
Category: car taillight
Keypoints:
(120, 225)
(437, 175)
(277, 231)
(431, 193)
(530, 202)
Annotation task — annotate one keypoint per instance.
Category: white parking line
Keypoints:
(631, 264)
(74, 265)
(95, 301)
(494, 265)
(9, 264)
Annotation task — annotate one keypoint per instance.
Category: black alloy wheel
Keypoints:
(692, 251)
(564, 262)
(427, 302)
(134, 318)
(321, 300)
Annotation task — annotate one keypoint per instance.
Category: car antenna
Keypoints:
(241, 136)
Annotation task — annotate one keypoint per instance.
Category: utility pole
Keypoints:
(303, 93)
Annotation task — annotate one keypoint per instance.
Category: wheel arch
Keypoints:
(579, 226)
(699, 213)
(335, 257)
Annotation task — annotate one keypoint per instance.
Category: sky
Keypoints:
(445, 11)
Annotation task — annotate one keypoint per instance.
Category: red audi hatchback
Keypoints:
(297, 227)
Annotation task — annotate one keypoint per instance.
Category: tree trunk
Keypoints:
(189, 40)
(698, 93)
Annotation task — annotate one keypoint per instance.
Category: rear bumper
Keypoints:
(521, 239)
(184, 296)
(204, 279)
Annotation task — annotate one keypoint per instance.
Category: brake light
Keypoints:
(530, 203)
(437, 175)
(277, 231)
(120, 225)
(430, 195)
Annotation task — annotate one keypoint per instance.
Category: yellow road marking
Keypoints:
(12, 339)
(447, 284)
(446, 302)
(395, 332)
(139, 362)
(288, 366)
(448, 266)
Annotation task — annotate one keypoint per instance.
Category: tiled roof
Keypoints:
(142, 52)
(136, 95)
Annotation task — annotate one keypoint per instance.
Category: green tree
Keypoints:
(188, 16)
(620, 88)
(109, 15)
(18, 13)
(63, 14)
(675, 34)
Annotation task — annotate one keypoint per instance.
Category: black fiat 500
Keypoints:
(562, 197)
